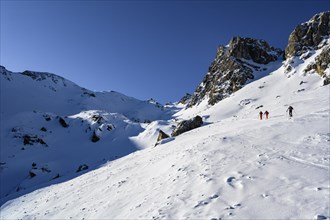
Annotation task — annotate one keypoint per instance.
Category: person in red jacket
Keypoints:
(266, 113)
(260, 115)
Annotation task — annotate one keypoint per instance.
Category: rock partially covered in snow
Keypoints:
(185, 99)
(259, 51)
(322, 65)
(233, 67)
(308, 35)
(162, 135)
(187, 125)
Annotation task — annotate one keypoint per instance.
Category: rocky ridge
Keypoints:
(308, 35)
(233, 66)
(305, 39)
(244, 59)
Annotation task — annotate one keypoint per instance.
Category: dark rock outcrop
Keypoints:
(258, 51)
(308, 35)
(5, 73)
(187, 125)
(81, 168)
(88, 93)
(63, 123)
(32, 174)
(31, 139)
(95, 138)
(162, 135)
(233, 66)
(40, 76)
(98, 119)
(322, 62)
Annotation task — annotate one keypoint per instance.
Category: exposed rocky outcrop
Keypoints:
(185, 99)
(32, 139)
(40, 76)
(233, 66)
(187, 125)
(258, 51)
(98, 119)
(5, 73)
(82, 168)
(322, 65)
(154, 102)
(94, 137)
(63, 122)
(305, 39)
(308, 35)
(162, 135)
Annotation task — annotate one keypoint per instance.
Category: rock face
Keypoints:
(308, 35)
(187, 125)
(233, 66)
(321, 65)
(258, 51)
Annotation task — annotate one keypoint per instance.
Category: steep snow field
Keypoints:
(234, 167)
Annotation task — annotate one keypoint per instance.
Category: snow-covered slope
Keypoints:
(50, 127)
(234, 167)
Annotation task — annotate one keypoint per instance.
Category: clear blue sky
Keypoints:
(144, 49)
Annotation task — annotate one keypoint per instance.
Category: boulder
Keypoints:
(63, 123)
(95, 138)
(162, 135)
(187, 125)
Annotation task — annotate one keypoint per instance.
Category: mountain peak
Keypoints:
(241, 60)
(308, 35)
(257, 50)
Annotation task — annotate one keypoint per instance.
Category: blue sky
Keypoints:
(144, 49)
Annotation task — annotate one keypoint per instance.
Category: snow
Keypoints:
(31, 109)
(233, 167)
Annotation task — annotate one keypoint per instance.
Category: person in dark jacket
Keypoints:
(260, 115)
(290, 109)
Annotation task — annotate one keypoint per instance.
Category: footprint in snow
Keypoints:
(206, 201)
(234, 206)
(233, 182)
(264, 195)
(201, 203)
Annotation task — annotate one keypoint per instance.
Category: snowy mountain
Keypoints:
(70, 153)
(51, 126)
(63, 97)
